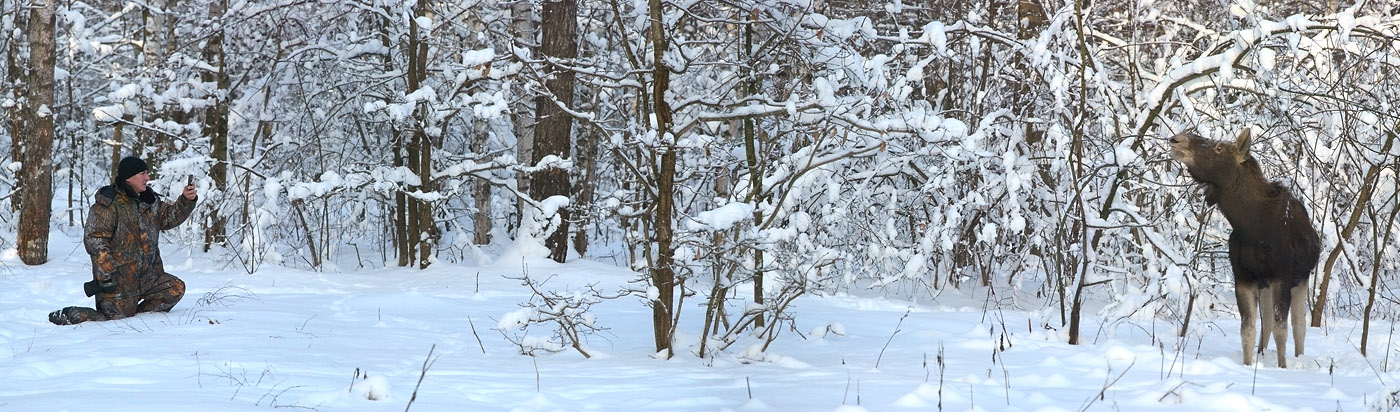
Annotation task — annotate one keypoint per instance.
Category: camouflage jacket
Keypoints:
(122, 233)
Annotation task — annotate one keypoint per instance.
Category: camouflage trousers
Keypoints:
(157, 293)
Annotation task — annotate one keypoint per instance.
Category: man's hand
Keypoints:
(190, 192)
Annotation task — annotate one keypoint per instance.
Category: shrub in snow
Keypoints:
(568, 313)
(374, 388)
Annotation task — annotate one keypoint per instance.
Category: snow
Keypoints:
(721, 218)
(490, 105)
(1125, 155)
(109, 114)
(1346, 22)
(1267, 59)
(373, 47)
(425, 93)
(825, 91)
(935, 34)
(478, 57)
(358, 341)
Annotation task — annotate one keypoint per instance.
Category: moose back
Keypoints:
(1273, 246)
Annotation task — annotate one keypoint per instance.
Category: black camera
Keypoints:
(103, 283)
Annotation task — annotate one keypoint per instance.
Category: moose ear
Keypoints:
(1242, 145)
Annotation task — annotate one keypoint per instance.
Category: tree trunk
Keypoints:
(481, 192)
(153, 50)
(117, 139)
(419, 231)
(755, 175)
(479, 145)
(1077, 170)
(583, 191)
(77, 157)
(162, 46)
(35, 209)
(663, 275)
(558, 40)
(523, 26)
(153, 33)
(216, 123)
(14, 79)
(1382, 237)
(401, 230)
(399, 148)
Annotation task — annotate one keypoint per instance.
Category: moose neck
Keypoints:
(1241, 196)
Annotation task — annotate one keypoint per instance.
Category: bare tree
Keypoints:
(17, 88)
(216, 121)
(481, 189)
(418, 229)
(663, 272)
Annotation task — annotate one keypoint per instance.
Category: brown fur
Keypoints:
(1273, 247)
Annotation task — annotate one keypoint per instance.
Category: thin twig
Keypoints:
(352, 381)
(427, 363)
(478, 337)
(891, 339)
(1107, 384)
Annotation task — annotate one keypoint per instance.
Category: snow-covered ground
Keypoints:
(282, 338)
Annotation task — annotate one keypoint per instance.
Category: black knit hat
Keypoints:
(130, 166)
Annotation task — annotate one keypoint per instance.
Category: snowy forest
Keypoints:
(734, 154)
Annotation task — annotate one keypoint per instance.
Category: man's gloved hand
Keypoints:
(103, 280)
(103, 283)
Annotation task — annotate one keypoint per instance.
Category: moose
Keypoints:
(1273, 245)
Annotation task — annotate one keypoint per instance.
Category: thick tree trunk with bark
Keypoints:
(36, 207)
(558, 40)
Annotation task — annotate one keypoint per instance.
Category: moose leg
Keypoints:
(1300, 327)
(1245, 297)
(1266, 316)
(1283, 299)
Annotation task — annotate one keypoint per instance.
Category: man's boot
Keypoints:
(73, 315)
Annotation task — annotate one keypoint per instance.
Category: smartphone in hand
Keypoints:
(189, 187)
